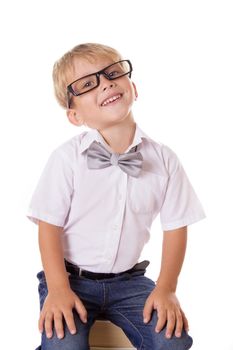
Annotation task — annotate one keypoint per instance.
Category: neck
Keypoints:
(120, 136)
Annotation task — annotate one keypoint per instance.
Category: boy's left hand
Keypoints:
(168, 310)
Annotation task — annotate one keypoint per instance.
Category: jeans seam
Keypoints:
(133, 305)
(104, 297)
(140, 348)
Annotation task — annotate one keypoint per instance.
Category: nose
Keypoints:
(106, 83)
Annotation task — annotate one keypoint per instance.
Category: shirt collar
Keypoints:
(94, 135)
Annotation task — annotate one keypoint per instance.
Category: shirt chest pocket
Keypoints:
(146, 193)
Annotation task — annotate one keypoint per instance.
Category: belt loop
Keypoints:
(79, 272)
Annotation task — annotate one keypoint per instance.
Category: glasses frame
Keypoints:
(97, 74)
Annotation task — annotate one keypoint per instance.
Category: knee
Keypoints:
(182, 343)
(161, 342)
(78, 341)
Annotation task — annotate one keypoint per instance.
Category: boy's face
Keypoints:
(94, 108)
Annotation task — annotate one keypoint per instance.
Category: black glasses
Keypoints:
(91, 81)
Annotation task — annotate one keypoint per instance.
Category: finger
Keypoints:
(81, 311)
(185, 321)
(147, 311)
(48, 325)
(69, 318)
(41, 322)
(162, 319)
(179, 324)
(58, 325)
(171, 321)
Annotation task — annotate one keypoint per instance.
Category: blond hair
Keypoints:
(64, 67)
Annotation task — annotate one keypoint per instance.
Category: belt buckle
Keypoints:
(80, 272)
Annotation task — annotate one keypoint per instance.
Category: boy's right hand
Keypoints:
(59, 304)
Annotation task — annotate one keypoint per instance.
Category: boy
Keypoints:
(94, 205)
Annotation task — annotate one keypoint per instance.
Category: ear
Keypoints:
(74, 118)
(135, 90)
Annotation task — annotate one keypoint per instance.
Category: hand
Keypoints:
(57, 305)
(168, 310)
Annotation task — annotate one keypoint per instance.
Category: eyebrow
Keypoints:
(87, 75)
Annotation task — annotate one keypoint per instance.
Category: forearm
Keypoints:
(52, 256)
(173, 253)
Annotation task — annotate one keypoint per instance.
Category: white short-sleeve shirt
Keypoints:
(106, 214)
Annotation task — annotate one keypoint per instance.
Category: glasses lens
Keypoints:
(85, 84)
(118, 70)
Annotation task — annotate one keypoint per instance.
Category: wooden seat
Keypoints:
(106, 335)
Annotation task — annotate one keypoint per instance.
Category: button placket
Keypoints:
(118, 222)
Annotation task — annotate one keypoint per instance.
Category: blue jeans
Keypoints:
(120, 300)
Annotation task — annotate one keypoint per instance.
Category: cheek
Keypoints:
(86, 105)
(131, 96)
(132, 92)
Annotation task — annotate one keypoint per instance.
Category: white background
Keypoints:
(182, 56)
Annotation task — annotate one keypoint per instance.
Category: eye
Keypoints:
(87, 84)
(113, 74)
(115, 71)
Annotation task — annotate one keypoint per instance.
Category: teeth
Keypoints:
(111, 99)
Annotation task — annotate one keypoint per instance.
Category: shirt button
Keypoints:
(115, 227)
(120, 197)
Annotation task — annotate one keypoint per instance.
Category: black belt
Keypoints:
(99, 275)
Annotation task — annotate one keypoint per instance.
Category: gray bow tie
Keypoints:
(98, 157)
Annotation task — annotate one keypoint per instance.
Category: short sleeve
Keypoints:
(181, 206)
(51, 199)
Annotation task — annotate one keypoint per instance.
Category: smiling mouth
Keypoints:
(111, 100)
